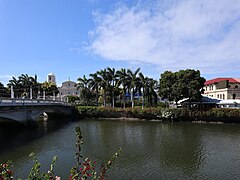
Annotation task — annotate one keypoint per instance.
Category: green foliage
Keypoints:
(35, 170)
(73, 99)
(182, 84)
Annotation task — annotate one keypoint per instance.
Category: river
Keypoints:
(150, 150)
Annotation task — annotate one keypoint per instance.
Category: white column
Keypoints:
(54, 98)
(44, 95)
(12, 93)
(30, 92)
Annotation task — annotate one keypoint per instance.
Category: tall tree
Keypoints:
(114, 83)
(123, 81)
(182, 84)
(104, 83)
(17, 86)
(133, 78)
(167, 79)
(50, 88)
(94, 83)
(83, 85)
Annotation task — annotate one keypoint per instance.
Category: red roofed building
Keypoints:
(223, 88)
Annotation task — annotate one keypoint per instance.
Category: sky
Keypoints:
(72, 38)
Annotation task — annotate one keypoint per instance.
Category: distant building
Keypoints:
(68, 88)
(51, 78)
(223, 88)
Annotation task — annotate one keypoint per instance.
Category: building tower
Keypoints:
(51, 78)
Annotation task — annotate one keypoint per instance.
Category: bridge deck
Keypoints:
(31, 102)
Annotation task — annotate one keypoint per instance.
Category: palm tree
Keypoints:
(104, 83)
(17, 86)
(94, 83)
(83, 85)
(113, 79)
(123, 80)
(151, 86)
(49, 88)
(132, 76)
(142, 85)
(27, 82)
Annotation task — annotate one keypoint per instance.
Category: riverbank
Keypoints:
(214, 115)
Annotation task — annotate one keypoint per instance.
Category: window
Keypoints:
(236, 86)
(223, 96)
(69, 84)
(234, 95)
(49, 78)
(220, 96)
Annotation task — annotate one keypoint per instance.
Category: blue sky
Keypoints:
(75, 37)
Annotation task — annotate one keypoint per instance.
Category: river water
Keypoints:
(150, 150)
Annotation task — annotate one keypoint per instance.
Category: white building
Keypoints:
(223, 88)
(51, 78)
(68, 88)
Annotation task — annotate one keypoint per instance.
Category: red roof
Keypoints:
(216, 80)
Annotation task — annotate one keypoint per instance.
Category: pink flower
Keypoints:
(57, 178)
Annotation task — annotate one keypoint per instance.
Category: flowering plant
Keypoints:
(85, 168)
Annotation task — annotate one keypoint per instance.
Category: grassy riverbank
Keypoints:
(164, 114)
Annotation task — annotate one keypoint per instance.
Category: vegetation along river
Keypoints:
(150, 150)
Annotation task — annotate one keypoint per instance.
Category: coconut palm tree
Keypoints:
(123, 81)
(94, 83)
(114, 83)
(142, 85)
(17, 86)
(133, 78)
(83, 85)
(104, 84)
(151, 86)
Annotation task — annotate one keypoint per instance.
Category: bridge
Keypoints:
(26, 111)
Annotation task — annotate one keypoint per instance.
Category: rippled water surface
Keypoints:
(150, 150)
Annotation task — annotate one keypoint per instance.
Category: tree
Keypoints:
(104, 84)
(17, 86)
(50, 88)
(143, 86)
(4, 91)
(133, 78)
(182, 84)
(167, 79)
(83, 85)
(114, 83)
(123, 80)
(94, 83)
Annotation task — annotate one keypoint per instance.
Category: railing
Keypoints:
(29, 102)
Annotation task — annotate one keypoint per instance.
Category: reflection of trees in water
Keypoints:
(151, 145)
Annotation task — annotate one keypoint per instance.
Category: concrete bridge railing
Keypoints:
(26, 111)
(32, 102)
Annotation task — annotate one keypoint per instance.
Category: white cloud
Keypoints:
(182, 34)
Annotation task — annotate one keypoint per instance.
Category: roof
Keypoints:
(216, 80)
(229, 101)
(205, 99)
(51, 74)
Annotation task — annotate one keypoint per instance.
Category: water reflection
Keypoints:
(151, 150)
